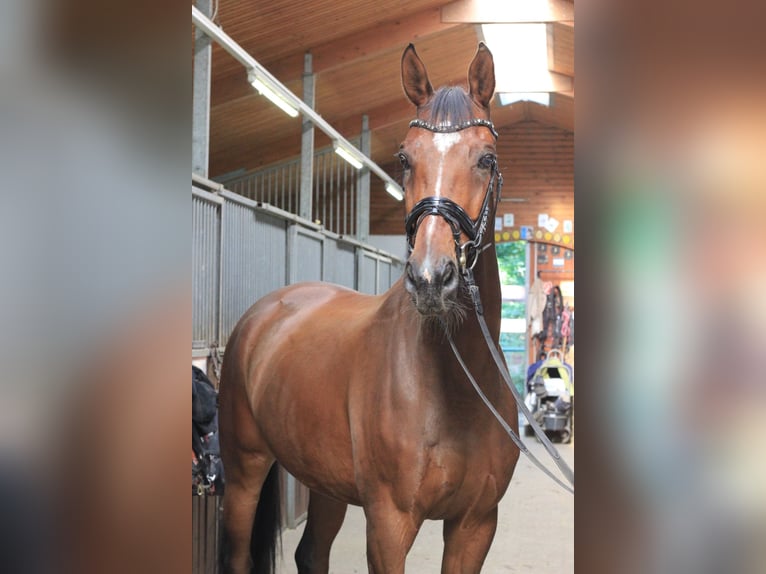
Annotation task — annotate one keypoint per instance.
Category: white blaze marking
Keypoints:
(443, 144)
(429, 228)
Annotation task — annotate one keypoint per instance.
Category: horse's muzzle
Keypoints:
(433, 287)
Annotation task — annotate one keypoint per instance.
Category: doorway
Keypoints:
(513, 263)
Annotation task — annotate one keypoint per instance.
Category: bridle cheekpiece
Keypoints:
(459, 221)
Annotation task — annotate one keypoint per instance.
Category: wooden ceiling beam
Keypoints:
(559, 114)
(393, 35)
(560, 49)
(493, 12)
(388, 121)
(276, 145)
(389, 36)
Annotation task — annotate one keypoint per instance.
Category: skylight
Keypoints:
(521, 61)
(508, 98)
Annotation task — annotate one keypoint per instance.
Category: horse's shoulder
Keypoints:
(310, 297)
(317, 287)
(301, 293)
(316, 293)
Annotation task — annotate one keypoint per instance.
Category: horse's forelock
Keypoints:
(450, 104)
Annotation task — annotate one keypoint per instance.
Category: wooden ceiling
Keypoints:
(356, 48)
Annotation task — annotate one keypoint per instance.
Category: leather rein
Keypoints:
(467, 254)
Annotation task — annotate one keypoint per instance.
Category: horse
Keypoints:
(360, 396)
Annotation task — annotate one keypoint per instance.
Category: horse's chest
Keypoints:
(454, 481)
(434, 452)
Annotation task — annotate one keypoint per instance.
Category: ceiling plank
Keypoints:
(491, 11)
(359, 74)
(275, 141)
(397, 34)
(559, 114)
(277, 137)
(561, 49)
(358, 47)
(273, 30)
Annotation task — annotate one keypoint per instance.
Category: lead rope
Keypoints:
(563, 467)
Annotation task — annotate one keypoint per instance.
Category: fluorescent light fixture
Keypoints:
(507, 98)
(394, 190)
(347, 154)
(271, 94)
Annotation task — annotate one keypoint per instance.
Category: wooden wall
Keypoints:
(386, 214)
(537, 163)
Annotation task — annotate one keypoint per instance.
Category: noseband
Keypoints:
(459, 221)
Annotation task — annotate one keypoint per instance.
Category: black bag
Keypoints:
(207, 469)
(204, 401)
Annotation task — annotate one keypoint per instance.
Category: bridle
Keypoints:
(459, 221)
(467, 255)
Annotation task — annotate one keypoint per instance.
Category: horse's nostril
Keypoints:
(449, 273)
(409, 275)
(449, 278)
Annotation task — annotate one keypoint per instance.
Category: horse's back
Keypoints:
(297, 325)
(309, 307)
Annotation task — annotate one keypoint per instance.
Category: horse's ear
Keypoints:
(414, 77)
(481, 76)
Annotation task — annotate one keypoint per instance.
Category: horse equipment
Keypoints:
(467, 253)
(459, 221)
(568, 473)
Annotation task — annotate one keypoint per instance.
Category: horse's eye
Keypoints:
(404, 161)
(487, 161)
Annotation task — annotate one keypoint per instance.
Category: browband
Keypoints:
(444, 128)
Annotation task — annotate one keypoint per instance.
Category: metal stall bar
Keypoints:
(206, 230)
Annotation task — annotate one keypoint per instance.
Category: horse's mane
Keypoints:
(450, 104)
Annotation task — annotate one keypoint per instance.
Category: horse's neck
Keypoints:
(487, 279)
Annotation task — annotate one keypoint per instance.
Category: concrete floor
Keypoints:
(535, 530)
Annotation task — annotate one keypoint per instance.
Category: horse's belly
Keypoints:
(307, 431)
(300, 400)
(329, 484)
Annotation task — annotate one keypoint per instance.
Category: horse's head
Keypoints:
(449, 176)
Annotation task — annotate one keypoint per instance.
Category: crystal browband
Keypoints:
(448, 128)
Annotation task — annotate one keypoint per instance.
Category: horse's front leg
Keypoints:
(466, 543)
(390, 534)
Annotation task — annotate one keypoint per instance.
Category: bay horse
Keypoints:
(359, 396)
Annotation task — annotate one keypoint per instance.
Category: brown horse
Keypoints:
(360, 397)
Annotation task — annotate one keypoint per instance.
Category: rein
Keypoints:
(502, 369)
(467, 256)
